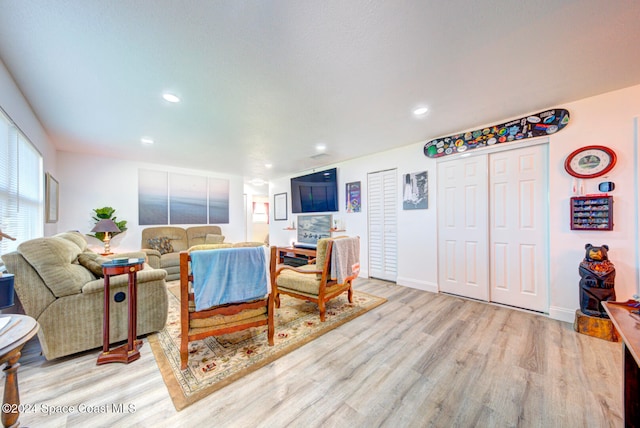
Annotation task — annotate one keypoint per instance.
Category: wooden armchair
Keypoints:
(315, 282)
(226, 317)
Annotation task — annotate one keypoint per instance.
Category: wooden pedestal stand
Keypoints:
(130, 351)
(602, 328)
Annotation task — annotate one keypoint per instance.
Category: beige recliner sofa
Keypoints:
(164, 243)
(56, 286)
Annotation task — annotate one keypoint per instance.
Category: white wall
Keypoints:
(603, 120)
(88, 182)
(16, 106)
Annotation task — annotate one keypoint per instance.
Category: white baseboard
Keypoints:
(562, 314)
(555, 312)
(415, 283)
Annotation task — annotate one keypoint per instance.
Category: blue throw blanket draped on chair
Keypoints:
(228, 275)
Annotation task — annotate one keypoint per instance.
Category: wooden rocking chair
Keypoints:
(221, 319)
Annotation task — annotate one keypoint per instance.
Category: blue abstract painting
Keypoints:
(153, 202)
(218, 201)
(187, 199)
(172, 198)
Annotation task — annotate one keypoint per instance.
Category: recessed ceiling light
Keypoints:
(146, 140)
(171, 97)
(420, 111)
(321, 147)
(268, 165)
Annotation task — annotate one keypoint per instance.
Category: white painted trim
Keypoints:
(418, 284)
(562, 314)
(636, 189)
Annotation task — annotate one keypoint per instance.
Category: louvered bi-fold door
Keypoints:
(382, 196)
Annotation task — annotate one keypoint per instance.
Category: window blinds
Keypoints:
(21, 183)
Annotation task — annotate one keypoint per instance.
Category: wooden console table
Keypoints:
(13, 337)
(282, 251)
(627, 326)
(130, 351)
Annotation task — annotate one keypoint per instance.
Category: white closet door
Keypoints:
(463, 227)
(382, 210)
(519, 206)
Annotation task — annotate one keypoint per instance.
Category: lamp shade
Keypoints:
(105, 225)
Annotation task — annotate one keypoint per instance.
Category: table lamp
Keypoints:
(107, 226)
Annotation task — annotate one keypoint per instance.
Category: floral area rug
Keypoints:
(215, 362)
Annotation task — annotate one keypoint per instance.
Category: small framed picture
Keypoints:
(51, 198)
(415, 193)
(353, 202)
(280, 206)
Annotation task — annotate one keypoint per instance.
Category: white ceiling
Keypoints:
(265, 81)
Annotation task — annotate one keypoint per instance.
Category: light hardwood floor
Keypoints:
(421, 359)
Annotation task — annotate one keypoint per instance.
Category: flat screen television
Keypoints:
(314, 193)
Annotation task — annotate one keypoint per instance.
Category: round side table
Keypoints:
(13, 337)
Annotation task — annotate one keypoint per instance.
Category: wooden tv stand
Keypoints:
(308, 253)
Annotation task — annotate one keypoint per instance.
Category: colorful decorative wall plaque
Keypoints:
(536, 125)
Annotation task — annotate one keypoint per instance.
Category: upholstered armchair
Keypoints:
(336, 265)
(59, 283)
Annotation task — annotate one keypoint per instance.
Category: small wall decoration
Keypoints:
(280, 206)
(52, 198)
(353, 193)
(590, 161)
(536, 125)
(415, 191)
(592, 213)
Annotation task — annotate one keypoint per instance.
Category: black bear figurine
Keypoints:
(597, 281)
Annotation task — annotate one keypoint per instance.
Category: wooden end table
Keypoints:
(130, 351)
(13, 337)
